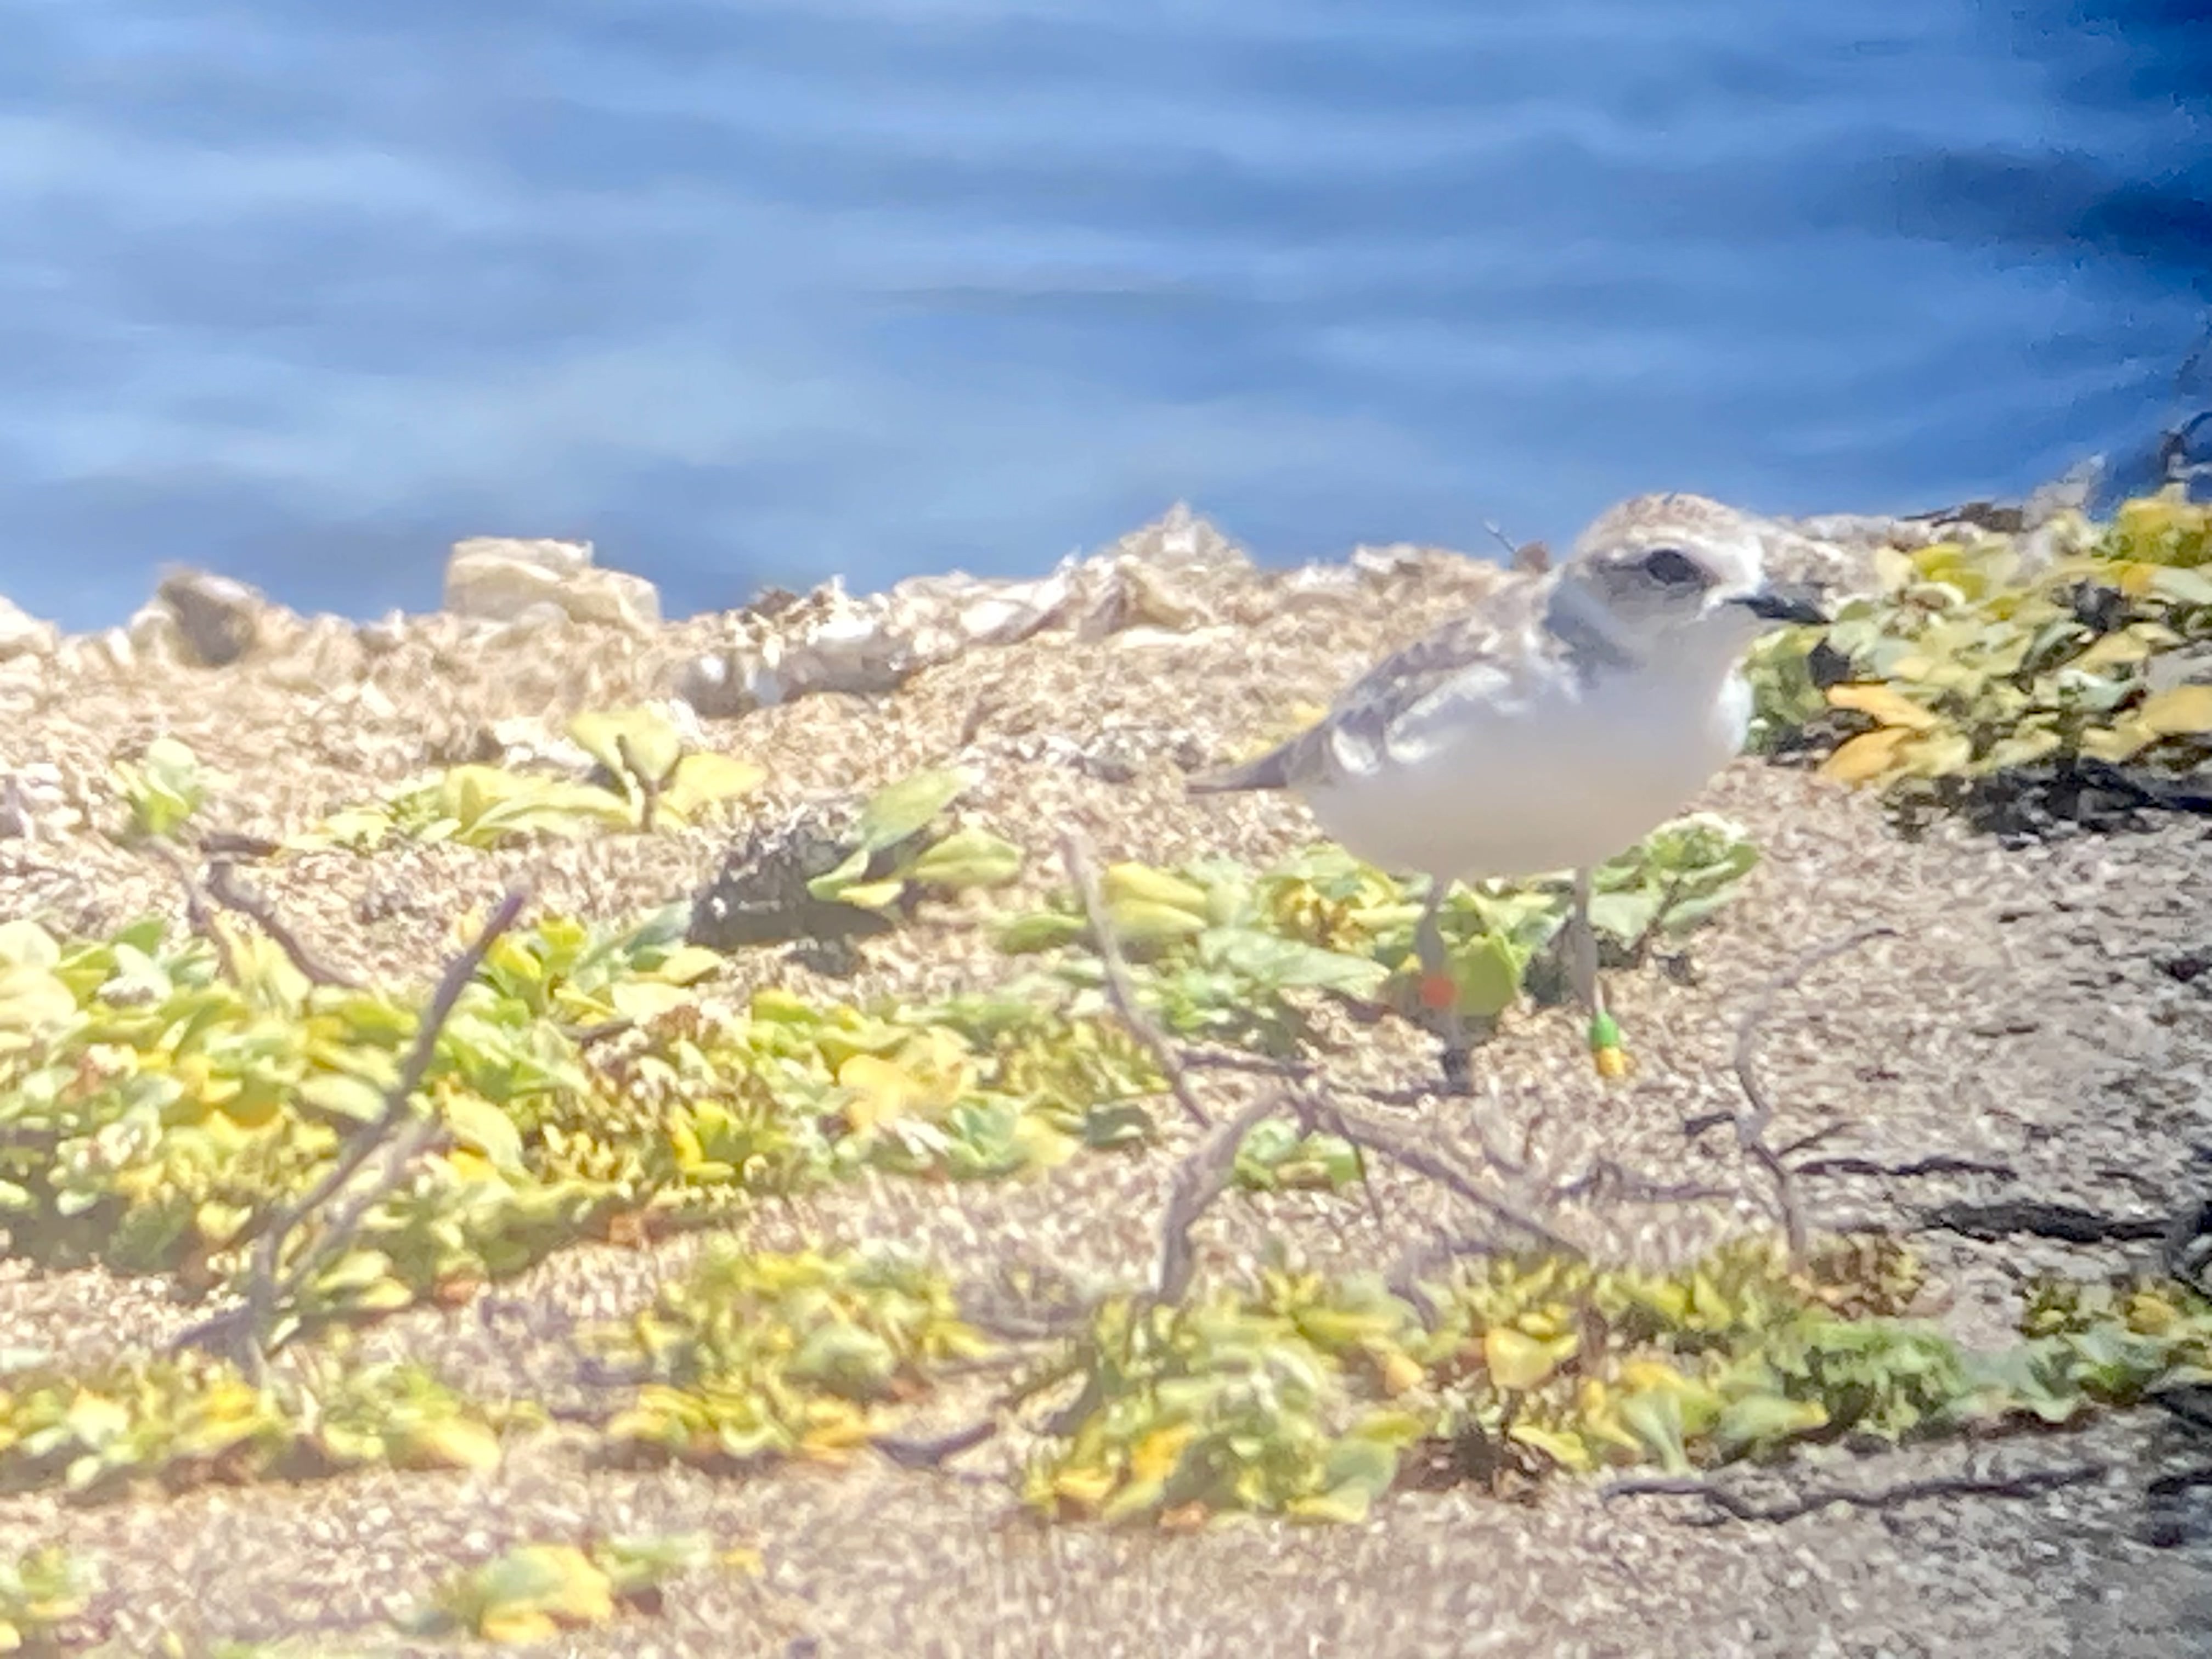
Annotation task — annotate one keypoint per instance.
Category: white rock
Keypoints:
(536, 619)
(1312, 586)
(723, 684)
(497, 579)
(386, 634)
(857, 650)
(1386, 561)
(24, 635)
(153, 636)
(1130, 594)
(562, 558)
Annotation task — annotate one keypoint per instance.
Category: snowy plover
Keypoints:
(1551, 730)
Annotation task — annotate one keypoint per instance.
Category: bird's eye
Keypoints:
(1673, 567)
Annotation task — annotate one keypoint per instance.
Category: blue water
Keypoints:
(755, 291)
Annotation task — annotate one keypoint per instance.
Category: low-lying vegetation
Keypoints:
(1986, 663)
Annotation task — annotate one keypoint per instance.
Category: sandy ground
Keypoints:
(2034, 1010)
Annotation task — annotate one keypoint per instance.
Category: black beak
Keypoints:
(1785, 603)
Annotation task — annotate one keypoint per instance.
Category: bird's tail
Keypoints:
(1269, 771)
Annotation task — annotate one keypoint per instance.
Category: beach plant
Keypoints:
(1985, 658)
(1234, 1404)
(1308, 1396)
(648, 781)
(754, 1356)
(158, 1111)
(536, 1591)
(901, 847)
(177, 1422)
(40, 1591)
(163, 789)
(1226, 953)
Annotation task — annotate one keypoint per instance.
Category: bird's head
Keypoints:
(1673, 577)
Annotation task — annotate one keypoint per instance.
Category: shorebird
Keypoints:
(1548, 730)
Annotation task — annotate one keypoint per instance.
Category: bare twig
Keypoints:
(1213, 1057)
(1750, 1126)
(1605, 1181)
(1121, 990)
(934, 1453)
(1808, 1141)
(1376, 1139)
(223, 887)
(199, 916)
(1736, 1506)
(1937, 1164)
(2069, 1222)
(242, 1330)
(1198, 1180)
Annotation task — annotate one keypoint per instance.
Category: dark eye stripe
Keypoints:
(1672, 567)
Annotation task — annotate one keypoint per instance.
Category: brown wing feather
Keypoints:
(1362, 716)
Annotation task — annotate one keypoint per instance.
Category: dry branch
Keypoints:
(1608, 1181)
(2067, 1222)
(1734, 1505)
(199, 912)
(242, 1332)
(934, 1453)
(1938, 1164)
(223, 887)
(1120, 989)
(1750, 1126)
(1198, 1180)
(1372, 1137)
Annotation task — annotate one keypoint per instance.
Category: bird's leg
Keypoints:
(1440, 991)
(1604, 1035)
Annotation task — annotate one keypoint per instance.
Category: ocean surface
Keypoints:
(750, 291)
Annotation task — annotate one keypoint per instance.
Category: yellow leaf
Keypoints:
(688, 963)
(1155, 1456)
(2121, 743)
(704, 779)
(1867, 755)
(2186, 710)
(482, 1127)
(1937, 754)
(1346, 1505)
(2113, 650)
(453, 1443)
(1085, 1488)
(95, 1420)
(1565, 1449)
(1518, 1361)
(2136, 577)
(1885, 703)
(555, 1581)
(1400, 1372)
(1140, 883)
(513, 1629)
(2026, 746)
(881, 1090)
(1143, 922)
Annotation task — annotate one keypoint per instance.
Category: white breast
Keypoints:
(1565, 777)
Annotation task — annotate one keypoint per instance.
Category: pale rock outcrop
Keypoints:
(1147, 585)
(22, 634)
(499, 578)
